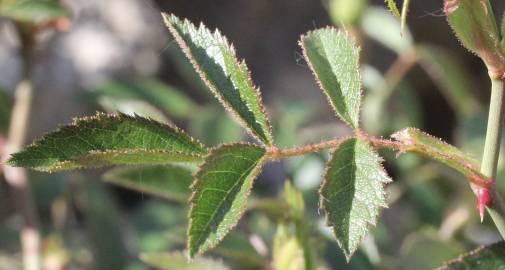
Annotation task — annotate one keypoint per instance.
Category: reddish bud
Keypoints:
(483, 200)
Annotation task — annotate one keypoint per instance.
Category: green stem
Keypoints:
(492, 150)
(405, 10)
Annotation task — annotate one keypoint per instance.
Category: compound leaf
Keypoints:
(333, 57)
(216, 62)
(220, 193)
(106, 140)
(483, 258)
(352, 192)
(166, 181)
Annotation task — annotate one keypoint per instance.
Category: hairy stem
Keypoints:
(275, 153)
(492, 151)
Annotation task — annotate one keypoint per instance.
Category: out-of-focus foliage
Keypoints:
(32, 11)
(488, 257)
(5, 109)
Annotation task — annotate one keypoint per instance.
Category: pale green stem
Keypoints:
(492, 150)
(405, 10)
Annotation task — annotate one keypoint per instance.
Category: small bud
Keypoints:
(483, 200)
(474, 24)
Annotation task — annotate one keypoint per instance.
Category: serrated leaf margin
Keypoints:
(99, 116)
(254, 174)
(268, 140)
(356, 51)
(325, 181)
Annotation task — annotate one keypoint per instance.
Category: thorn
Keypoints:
(483, 200)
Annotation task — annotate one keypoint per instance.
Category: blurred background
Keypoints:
(116, 55)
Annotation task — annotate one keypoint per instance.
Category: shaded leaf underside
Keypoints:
(216, 62)
(221, 188)
(106, 140)
(352, 192)
(333, 57)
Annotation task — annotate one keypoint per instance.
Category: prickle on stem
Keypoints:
(483, 200)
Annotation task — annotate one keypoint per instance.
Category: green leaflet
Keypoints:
(474, 24)
(484, 258)
(166, 181)
(220, 193)
(452, 77)
(333, 57)
(177, 261)
(32, 11)
(417, 141)
(352, 192)
(106, 140)
(216, 62)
